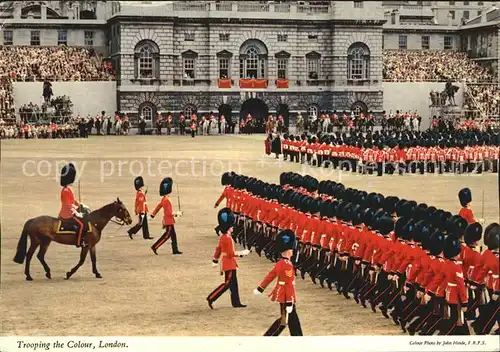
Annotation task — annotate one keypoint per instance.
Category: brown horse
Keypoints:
(44, 229)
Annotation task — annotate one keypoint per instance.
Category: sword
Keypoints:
(79, 193)
(178, 197)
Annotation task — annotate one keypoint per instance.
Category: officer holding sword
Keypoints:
(284, 291)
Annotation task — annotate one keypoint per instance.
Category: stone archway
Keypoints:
(284, 111)
(226, 110)
(258, 110)
(359, 107)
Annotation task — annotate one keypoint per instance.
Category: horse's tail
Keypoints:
(21, 246)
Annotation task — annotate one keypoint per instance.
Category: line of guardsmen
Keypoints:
(414, 262)
(397, 152)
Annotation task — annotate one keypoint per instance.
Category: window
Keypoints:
(147, 113)
(189, 36)
(420, 3)
(425, 42)
(479, 13)
(89, 38)
(358, 4)
(312, 111)
(189, 68)
(452, 3)
(146, 62)
(480, 3)
(312, 37)
(8, 37)
(188, 111)
(62, 37)
(393, 18)
(313, 68)
(466, 15)
(253, 66)
(452, 14)
(402, 42)
(223, 67)
(383, 42)
(448, 43)
(282, 37)
(224, 37)
(466, 3)
(35, 38)
(282, 68)
(358, 62)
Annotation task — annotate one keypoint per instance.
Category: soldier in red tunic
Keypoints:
(141, 209)
(71, 209)
(227, 255)
(168, 217)
(487, 274)
(465, 197)
(284, 291)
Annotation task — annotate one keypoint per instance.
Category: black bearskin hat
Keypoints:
(465, 196)
(285, 240)
(436, 243)
(227, 178)
(226, 219)
(138, 183)
(68, 175)
(452, 247)
(385, 224)
(473, 233)
(166, 186)
(492, 236)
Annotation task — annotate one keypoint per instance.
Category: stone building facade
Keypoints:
(237, 58)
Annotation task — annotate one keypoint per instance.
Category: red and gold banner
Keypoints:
(253, 83)
(224, 83)
(282, 83)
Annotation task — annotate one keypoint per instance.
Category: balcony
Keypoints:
(282, 83)
(191, 6)
(415, 11)
(252, 7)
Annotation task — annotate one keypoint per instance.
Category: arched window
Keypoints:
(358, 59)
(313, 111)
(188, 111)
(253, 59)
(147, 113)
(147, 60)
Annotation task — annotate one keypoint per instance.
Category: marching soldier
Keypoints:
(141, 209)
(69, 205)
(284, 291)
(465, 197)
(227, 255)
(168, 217)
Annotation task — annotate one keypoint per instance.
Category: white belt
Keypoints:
(495, 276)
(451, 284)
(281, 282)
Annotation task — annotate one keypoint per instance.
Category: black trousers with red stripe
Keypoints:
(169, 233)
(141, 224)
(231, 283)
(488, 316)
(292, 320)
(456, 324)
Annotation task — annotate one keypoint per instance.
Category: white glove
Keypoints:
(289, 309)
(427, 298)
(257, 292)
(481, 221)
(243, 252)
(78, 215)
(177, 214)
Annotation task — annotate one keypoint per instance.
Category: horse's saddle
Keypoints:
(71, 226)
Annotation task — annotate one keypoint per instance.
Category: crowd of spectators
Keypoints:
(436, 66)
(46, 64)
(54, 64)
(486, 97)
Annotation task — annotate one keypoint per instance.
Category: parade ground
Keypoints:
(144, 294)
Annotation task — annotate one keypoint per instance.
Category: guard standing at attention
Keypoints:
(284, 291)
